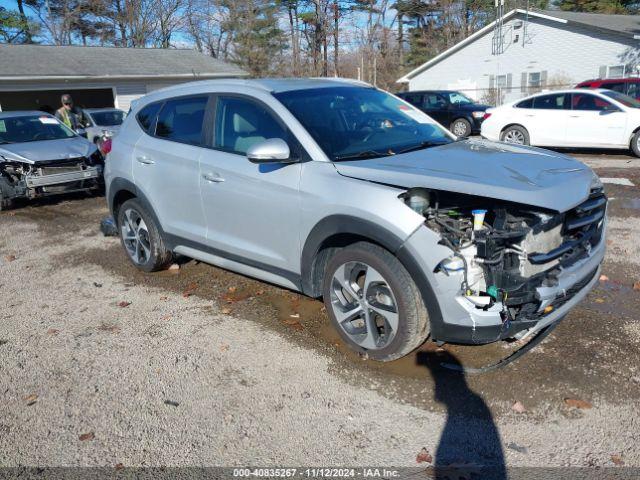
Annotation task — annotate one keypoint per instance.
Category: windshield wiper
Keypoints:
(421, 146)
(363, 155)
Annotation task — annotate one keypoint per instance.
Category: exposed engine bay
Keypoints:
(504, 253)
(37, 179)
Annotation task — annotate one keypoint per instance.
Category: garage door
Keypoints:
(49, 100)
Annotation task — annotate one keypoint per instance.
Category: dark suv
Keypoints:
(452, 109)
(628, 86)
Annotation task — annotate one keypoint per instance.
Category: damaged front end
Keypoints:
(28, 179)
(512, 268)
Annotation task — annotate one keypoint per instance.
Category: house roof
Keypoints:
(35, 62)
(627, 25)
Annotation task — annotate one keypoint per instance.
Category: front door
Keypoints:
(437, 108)
(252, 210)
(166, 166)
(546, 122)
(595, 122)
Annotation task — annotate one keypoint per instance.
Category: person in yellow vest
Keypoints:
(68, 114)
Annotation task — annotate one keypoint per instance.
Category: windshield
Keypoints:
(626, 100)
(32, 128)
(359, 122)
(110, 118)
(458, 99)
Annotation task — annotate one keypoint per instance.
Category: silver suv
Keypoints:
(339, 190)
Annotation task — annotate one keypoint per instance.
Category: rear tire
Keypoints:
(141, 238)
(461, 127)
(373, 302)
(515, 134)
(635, 144)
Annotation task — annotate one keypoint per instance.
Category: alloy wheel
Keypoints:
(460, 129)
(514, 136)
(135, 237)
(364, 305)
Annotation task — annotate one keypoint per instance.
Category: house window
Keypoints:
(615, 71)
(501, 81)
(535, 80)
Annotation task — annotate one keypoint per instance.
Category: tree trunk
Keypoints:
(27, 30)
(336, 37)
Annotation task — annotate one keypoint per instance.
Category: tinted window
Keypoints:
(360, 122)
(240, 124)
(550, 102)
(413, 99)
(616, 87)
(433, 100)
(525, 103)
(626, 100)
(633, 90)
(147, 116)
(108, 118)
(181, 120)
(584, 101)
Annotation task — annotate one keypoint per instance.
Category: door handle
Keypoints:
(145, 160)
(212, 177)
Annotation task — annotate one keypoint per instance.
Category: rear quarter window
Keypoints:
(147, 116)
(525, 103)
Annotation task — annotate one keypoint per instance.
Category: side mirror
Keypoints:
(273, 150)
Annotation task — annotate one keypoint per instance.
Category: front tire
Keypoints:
(141, 238)
(461, 127)
(373, 302)
(515, 134)
(635, 144)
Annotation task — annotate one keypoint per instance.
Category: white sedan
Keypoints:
(568, 118)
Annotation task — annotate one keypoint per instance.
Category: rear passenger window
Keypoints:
(146, 117)
(550, 102)
(240, 124)
(525, 104)
(181, 120)
(633, 90)
(413, 99)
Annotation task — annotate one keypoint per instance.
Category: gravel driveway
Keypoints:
(102, 365)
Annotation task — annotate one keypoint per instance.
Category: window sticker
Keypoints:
(3, 127)
(48, 121)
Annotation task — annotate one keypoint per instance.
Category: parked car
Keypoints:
(343, 191)
(568, 118)
(628, 86)
(40, 156)
(102, 122)
(452, 109)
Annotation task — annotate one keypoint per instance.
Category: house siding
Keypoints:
(564, 54)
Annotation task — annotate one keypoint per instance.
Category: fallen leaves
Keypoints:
(636, 286)
(224, 347)
(294, 323)
(424, 456)
(518, 407)
(617, 460)
(87, 436)
(599, 300)
(111, 328)
(577, 403)
(10, 258)
(53, 331)
(31, 399)
(604, 278)
(124, 304)
(225, 311)
(192, 287)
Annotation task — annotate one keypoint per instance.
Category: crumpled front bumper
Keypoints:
(454, 319)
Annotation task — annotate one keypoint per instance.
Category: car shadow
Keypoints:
(470, 444)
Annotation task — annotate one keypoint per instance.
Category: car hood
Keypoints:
(523, 175)
(47, 150)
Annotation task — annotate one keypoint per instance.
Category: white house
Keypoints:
(33, 77)
(528, 51)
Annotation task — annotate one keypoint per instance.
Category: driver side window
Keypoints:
(241, 124)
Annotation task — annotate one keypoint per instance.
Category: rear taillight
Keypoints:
(105, 145)
(486, 115)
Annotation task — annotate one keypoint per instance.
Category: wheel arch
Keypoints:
(121, 190)
(335, 232)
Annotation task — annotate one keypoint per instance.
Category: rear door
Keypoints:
(166, 166)
(595, 122)
(437, 107)
(546, 121)
(252, 210)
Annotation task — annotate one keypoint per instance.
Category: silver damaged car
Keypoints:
(39, 156)
(342, 191)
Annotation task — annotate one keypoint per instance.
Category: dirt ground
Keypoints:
(101, 364)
